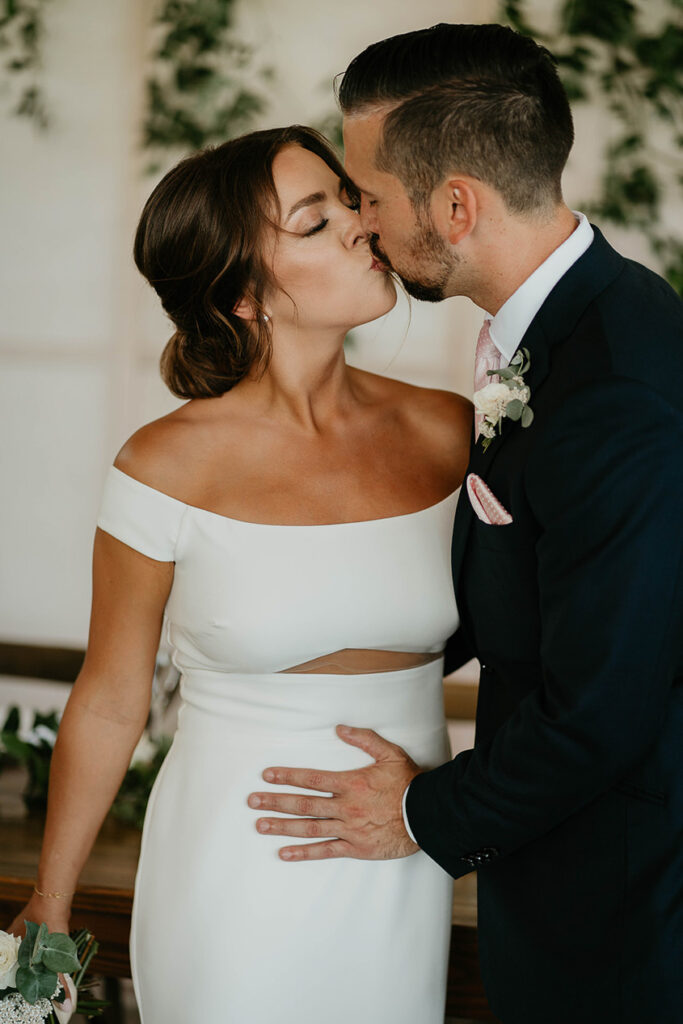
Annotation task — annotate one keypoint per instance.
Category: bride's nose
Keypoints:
(354, 234)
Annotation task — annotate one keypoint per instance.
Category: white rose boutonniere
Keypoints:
(507, 398)
(9, 959)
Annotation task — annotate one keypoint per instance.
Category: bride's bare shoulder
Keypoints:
(163, 453)
(436, 409)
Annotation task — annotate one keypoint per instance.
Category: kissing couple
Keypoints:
(294, 523)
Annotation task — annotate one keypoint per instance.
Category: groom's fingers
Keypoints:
(291, 803)
(305, 778)
(301, 828)
(317, 851)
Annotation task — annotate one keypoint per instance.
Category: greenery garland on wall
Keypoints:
(22, 32)
(201, 86)
(605, 54)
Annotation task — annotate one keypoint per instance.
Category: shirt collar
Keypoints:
(510, 323)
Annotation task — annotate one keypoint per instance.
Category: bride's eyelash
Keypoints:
(316, 228)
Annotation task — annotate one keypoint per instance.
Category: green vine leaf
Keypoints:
(22, 34)
(603, 51)
(36, 983)
(197, 91)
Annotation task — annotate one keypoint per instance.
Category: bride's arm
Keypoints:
(103, 720)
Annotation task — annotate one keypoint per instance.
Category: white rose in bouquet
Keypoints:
(9, 959)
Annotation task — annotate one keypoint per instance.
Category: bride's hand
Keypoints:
(56, 918)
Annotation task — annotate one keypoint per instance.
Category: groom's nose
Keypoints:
(368, 217)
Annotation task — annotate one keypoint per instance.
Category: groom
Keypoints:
(570, 805)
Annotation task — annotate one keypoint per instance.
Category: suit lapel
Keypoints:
(538, 346)
(556, 320)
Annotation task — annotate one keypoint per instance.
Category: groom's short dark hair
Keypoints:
(481, 100)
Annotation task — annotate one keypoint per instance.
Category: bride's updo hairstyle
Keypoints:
(200, 244)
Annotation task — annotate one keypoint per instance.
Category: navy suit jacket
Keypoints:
(571, 802)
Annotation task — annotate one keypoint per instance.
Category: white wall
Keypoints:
(81, 333)
(67, 317)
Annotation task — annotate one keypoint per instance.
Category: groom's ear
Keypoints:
(457, 209)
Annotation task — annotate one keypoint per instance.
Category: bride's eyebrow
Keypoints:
(315, 197)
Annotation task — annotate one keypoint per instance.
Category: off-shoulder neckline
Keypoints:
(284, 526)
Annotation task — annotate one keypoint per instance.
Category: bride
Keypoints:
(292, 521)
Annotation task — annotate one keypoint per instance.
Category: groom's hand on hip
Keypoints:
(363, 818)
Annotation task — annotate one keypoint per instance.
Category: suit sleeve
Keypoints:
(457, 653)
(605, 483)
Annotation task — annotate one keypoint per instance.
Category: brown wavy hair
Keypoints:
(199, 243)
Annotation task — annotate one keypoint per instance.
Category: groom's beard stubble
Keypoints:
(426, 248)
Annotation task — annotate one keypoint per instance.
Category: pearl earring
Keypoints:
(265, 318)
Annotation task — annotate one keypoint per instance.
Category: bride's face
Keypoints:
(325, 274)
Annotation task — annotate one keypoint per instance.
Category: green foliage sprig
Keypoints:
(603, 51)
(131, 800)
(22, 31)
(42, 956)
(197, 91)
(33, 751)
(34, 976)
(201, 87)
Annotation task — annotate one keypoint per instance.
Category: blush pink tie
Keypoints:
(487, 357)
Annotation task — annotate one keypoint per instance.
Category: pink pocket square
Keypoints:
(485, 503)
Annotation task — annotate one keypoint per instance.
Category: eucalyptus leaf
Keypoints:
(60, 953)
(36, 983)
(65, 963)
(514, 409)
(527, 416)
(27, 943)
(39, 944)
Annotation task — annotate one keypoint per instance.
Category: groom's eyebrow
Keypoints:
(315, 197)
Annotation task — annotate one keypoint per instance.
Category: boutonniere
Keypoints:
(507, 398)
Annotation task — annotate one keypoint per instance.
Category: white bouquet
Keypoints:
(36, 982)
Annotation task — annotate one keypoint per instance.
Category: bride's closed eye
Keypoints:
(352, 204)
(316, 228)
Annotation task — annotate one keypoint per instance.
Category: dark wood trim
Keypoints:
(465, 995)
(460, 700)
(54, 664)
(106, 912)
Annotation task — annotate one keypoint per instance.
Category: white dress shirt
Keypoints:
(509, 325)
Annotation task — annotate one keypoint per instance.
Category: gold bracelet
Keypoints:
(52, 895)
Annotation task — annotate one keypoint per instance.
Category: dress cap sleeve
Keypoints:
(140, 516)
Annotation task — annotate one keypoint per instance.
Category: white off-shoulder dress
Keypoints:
(223, 931)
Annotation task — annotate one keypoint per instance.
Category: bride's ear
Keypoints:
(245, 309)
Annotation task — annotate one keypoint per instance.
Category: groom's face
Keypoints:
(405, 240)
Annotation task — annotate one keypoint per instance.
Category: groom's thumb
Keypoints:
(368, 740)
